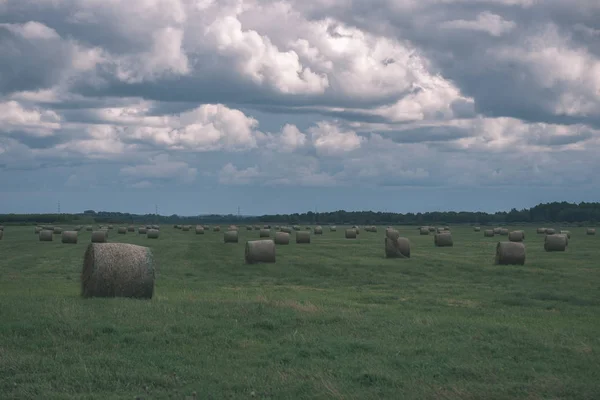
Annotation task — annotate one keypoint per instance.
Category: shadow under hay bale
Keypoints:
(510, 253)
(282, 238)
(199, 230)
(260, 251)
(443, 239)
(264, 233)
(152, 234)
(516, 236)
(69, 237)
(555, 242)
(488, 233)
(122, 230)
(231, 237)
(393, 234)
(99, 236)
(117, 270)
(302, 237)
(397, 247)
(318, 230)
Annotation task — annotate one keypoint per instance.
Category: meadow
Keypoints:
(333, 319)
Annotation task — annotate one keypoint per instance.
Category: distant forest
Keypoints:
(569, 213)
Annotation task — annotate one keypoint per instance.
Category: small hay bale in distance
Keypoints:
(590, 231)
(148, 226)
(497, 231)
(142, 230)
(432, 229)
(302, 237)
(503, 232)
(89, 228)
(357, 229)
(46, 235)
(110, 227)
(266, 227)
(231, 237)
(439, 229)
(131, 228)
(568, 233)
(259, 251)
(516, 236)
(57, 230)
(541, 231)
(447, 228)
(488, 233)
(476, 229)
(550, 231)
(152, 233)
(264, 233)
(318, 230)
(249, 227)
(185, 228)
(351, 233)
(296, 227)
(397, 247)
(443, 239)
(99, 236)
(199, 230)
(286, 229)
(424, 230)
(117, 270)
(393, 233)
(555, 242)
(256, 227)
(69, 237)
(333, 229)
(232, 228)
(282, 238)
(37, 230)
(77, 228)
(157, 227)
(510, 253)
(217, 229)
(122, 230)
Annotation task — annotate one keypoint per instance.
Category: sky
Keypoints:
(204, 106)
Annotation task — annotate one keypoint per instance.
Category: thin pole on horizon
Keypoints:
(58, 207)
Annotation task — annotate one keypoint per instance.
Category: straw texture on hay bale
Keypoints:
(260, 251)
(333, 229)
(199, 230)
(117, 270)
(357, 229)
(476, 229)
(89, 228)
(318, 230)
(302, 237)
(46, 235)
(541, 230)
(590, 231)
(393, 233)
(142, 230)
(231, 237)
(510, 253)
(286, 229)
(132, 228)
(282, 238)
(568, 233)
(351, 233)
(99, 236)
(555, 243)
(516, 236)
(152, 233)
(216, 229)
(57, 230)
(397, 247)
(488, 233)
(69, 237)
(550, 231)
(264, 233)
(424, 231)
(443, 239)
(122, 230)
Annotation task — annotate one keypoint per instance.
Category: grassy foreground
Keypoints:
(330, 320)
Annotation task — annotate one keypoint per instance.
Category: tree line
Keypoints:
(556, 212)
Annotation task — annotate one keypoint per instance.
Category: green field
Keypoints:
(329, 320)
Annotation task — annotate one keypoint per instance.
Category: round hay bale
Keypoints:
(277, 227)
(590, 231)
(152, 233)
(199, 230)
(260, 251)
(216, 229)
(357, 229)
(541, 230)
(249, 228)
(1, 227)
(89, 228)
(185, 228)
(264, 233)
(142, 230)
(77, 228)
(351, 233)
(69, 237)
(256, 228)
(282, 238)
(318, 230)
(555, 242)
(117, 270)
(57, 230)
(37, 229)
(510, 253)
(503, 232)
(439, 230)
(232, 228)
(432, 229)
(46, 235)
(122, 230)
(266, 227)
(110, 227)
(333, 229)
(131, 228)
(393, 234)
(550, 231)
(568, 233)
(488, 233)
(397, 247)
(476, 229)
(157, 227)
(497, 231)
(302, 237)
(424, 231)
(296, 227)
(231, 237)
(516, 236)
(286, 229)
(443, 239)
(99, 236)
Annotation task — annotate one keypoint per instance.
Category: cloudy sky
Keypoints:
(201, 106)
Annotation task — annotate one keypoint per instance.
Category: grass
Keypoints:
(330, 320)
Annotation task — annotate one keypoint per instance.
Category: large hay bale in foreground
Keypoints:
(282, 238)
(302, 237)
(424, 231)
(231, 237)
(516, 236)
(117, 270)
(46, 235)
(510, 253)
(142, 230)
(541, 230)
(199, 230)
(131, 228)
(568, 233)
(443, 239)
(99, 236)
(393, 233)
(555, 242)
(57, 230)
(351, 233)
(122, 230)
(476, 229)
(488, 233)
(590, 231)
(152, 233)
(69, 237)
(260, 251)
(397, 247)
(318, 230)
(550, 231)
(264, 233)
